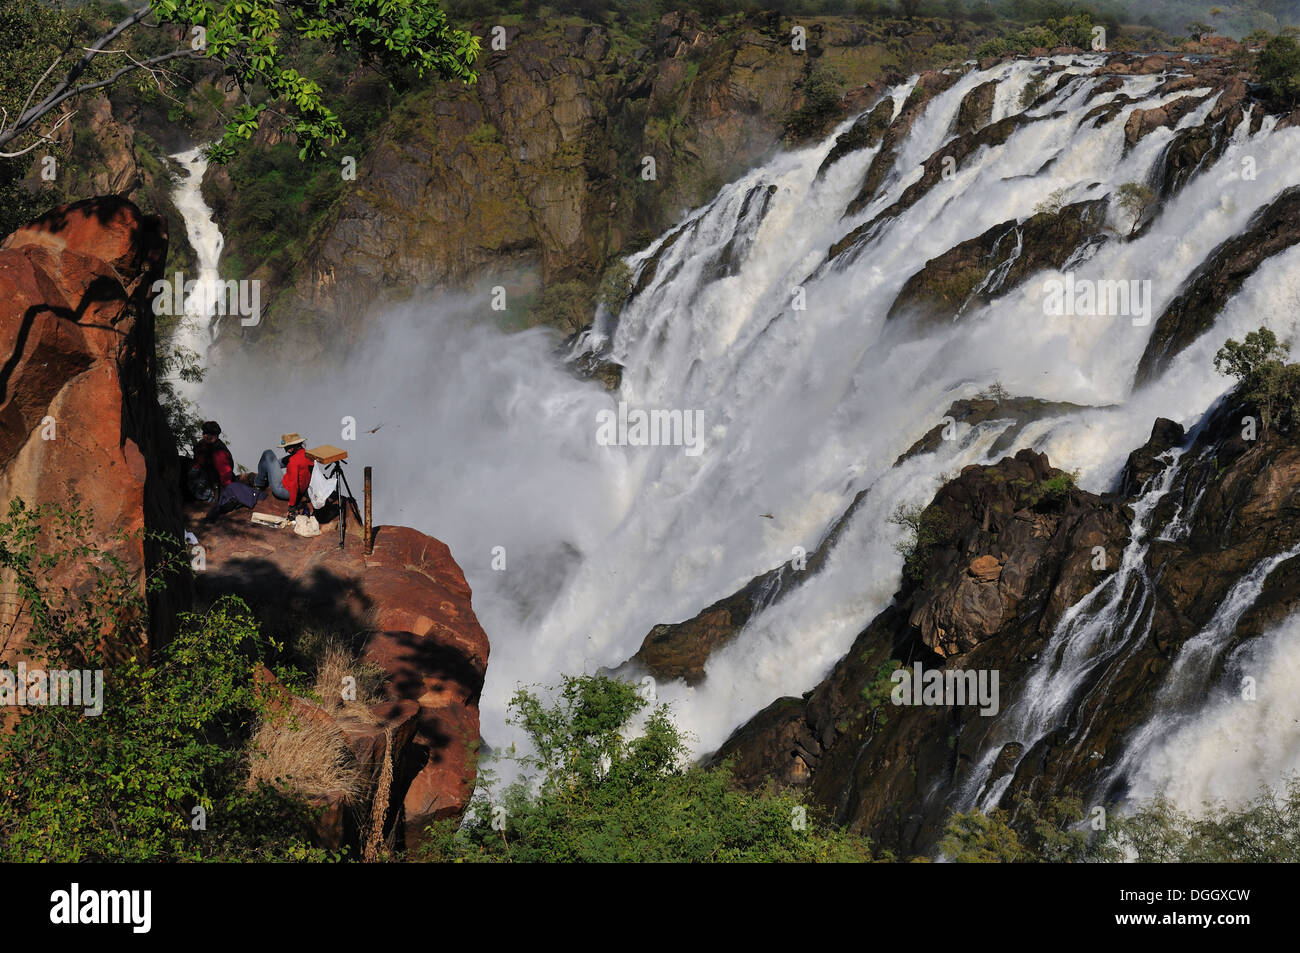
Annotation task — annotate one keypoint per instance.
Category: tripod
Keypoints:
(340, 485)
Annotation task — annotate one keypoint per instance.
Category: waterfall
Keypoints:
(808, 396)
(196, 329)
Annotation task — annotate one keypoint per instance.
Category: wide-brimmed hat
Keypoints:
(289, 439)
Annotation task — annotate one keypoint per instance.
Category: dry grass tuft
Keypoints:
(335, 664)
(310, 758)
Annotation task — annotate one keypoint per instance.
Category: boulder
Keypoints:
(80, 424)
(410, 600)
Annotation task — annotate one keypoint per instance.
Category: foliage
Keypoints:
(1279, 68)
(1054, 202)
(1046, 833)
(1135, 198)
(1265, 829)
(601, 795)
(995, 391)
(1266, 380)
(876, 693)
(1073, 30)
(174, 364)
(124, 785)
(254, 41)
(1053, 489)
(821, 104)
(1033, 89)
(565, 305)
(615, 286)
(924, 529)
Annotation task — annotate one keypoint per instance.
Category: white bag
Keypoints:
(321, 487)
(305, 525)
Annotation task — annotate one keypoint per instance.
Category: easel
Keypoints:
(331, 456)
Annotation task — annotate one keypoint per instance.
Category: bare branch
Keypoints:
(39, 83)
(60, 92)
(47, 137)
(53, 101)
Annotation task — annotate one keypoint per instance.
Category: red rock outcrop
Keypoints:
(79, 420)
(411, 600)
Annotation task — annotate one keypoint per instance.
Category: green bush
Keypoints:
(1279, 68)
(1266, 380)
(1264, 830)
(597, 794)
(821, 104)
(924, 529)
(169, 748)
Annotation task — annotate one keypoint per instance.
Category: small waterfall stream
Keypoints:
(197, 329)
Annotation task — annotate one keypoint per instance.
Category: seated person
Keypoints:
(212, 477)
(287, 477)
(213, 468)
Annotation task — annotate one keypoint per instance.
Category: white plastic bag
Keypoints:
(321, 486)
(305, 525)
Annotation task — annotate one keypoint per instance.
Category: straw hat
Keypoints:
(289, 439)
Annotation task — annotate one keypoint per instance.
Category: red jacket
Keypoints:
(297, 475)
(216, 459)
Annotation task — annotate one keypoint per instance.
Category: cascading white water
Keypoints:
(1091, 632)
(196, 329)
(1233, 745)
(808, 396)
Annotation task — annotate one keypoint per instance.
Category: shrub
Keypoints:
(924, 528)
(615, 286)
(1263, 830)
(169, 747)
(1265, 379)
(600, 795)
(1135, 198)
(821, 104)
(1279, 68)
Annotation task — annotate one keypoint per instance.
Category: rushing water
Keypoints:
(196, 329)
(808, 396)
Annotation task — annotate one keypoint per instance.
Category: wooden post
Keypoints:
(370, 526)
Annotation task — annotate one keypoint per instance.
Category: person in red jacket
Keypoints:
(214, 467)
(287, 477)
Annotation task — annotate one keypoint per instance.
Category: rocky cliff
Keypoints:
(1005, 551)
(537, 176)
(407, 608)
(80, 424)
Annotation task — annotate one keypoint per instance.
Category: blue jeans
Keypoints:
(270, 474)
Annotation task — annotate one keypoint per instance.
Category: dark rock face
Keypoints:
(680, 650)
(976, 110)
(533, 176)
(1016, 411)
(949, 156)
(866, 131)
(928, 86)
(976, 271)
(1006, 557)
(1273, 229)
(1143, 463)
